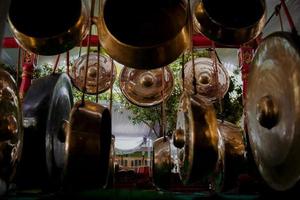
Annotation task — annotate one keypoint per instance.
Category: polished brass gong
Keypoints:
(273, 112)
(46, 106)
(48, 27)
(230, 22)
(201, 157)
(11, 130)
(88, 145)
(105, 81)
(162, 163)
(212, 81)
(144, 87)
(143, 34)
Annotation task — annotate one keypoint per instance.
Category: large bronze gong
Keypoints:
(202, 154)
(230, 22)
(144, 87)
(11, 130)
(143, 34)
(48, 27)
(46, 106)
(88, 145)
(273, 111)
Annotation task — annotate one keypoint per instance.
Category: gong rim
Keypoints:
(88, 146)
(146, 96)
(104, 82)
(205, 78)
(272, 111)
(11, 141)
(201, 139)
(144, 56)
(162, 162)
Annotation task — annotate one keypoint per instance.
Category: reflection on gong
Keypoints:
(104, 78)
(144, 87)
(211, 82)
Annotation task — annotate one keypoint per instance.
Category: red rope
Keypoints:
(289, 18)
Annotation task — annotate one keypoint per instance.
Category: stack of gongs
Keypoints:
(273, 110)
(144, 87)
(11, 130)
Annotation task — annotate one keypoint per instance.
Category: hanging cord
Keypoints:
(111, 85)
(277, 7)
(18, 66)
(56, 64)
(163, 109)
(68, 62)
(98, 71)
(88, 51)
(289, 18)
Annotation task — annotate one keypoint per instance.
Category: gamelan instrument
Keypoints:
(273, 112)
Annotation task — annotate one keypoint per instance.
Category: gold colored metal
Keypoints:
(11, 129)
(104, 81)
(273, 111)
(211, 83)
(144, 87)
(48, 27)
(202, 155)
(143, 34)
(230, 22)
(178, 138)
(88, 144)
(162, 163)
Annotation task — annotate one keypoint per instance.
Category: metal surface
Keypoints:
(46, 106)
(273, 112)
(48, 27)
(143, 34)
(88, 144)
(230, 22)
(202, 154)
(144, 87)
(235, 152)
(162, 164)
(212, 81)
(104, 81)
(11, 130)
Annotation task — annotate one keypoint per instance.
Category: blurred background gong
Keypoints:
(212, 81)
(88, 146)
(201, 151)
(144, 87)
(48, 27)
(46, 107)
(144, 34)
(104, 78)
(273, 111)
(11, 130)
(230, 22)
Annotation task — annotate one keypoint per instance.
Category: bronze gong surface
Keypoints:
(144, 87)
(212, 81)
(105, 72)
(273, 111)
(11, 129)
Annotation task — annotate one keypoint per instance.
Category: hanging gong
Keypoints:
(104, 81)
(46, 106)
(143, 34)
(144, 87)
(230, 22)
(88, 144)
(235, 152)
(48, 27)
(212, 81)
(11, 130)
(273, 112)
(162, 163)
(201, 155)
